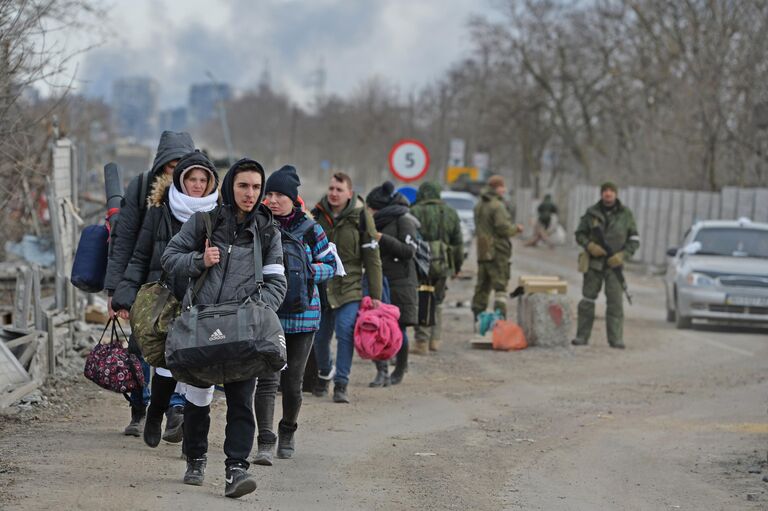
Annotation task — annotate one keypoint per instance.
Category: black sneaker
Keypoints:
(340, 393)
(195, 471)
(239, 482)
(174, 423)
(579, 342)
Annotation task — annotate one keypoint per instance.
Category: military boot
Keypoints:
(382, 375)
(136, 426)
(400, 368)
(434, 344)
(420, 348)
(264, 454)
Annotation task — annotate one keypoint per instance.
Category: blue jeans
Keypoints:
(140, 398)
(342, 322)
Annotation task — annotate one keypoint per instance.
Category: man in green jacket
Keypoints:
(611, 222)
(342, 215)
(494, 229)
(441, 228)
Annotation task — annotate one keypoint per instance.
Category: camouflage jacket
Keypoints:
(494, 228)
(619, 230)
(439, 221)
(357, 249)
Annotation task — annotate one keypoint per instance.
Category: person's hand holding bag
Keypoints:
(211, 255)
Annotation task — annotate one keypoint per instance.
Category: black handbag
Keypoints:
(211, 344)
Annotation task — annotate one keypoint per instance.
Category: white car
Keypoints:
(719, 274)
(464, 204)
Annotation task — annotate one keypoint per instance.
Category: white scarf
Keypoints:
(184, 206)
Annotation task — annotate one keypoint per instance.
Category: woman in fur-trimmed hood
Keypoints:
(173, 200)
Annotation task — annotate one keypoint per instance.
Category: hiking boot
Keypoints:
(579, 342)
(400, 368)
(239, 482)
(135, 427)
(195, 471)
(264, 454)
(285, 445)
(174, 430)
(619, 345)
(434, 344)
(382, 375)
(321, 388)
(153, 427)
(340, 393)
(420, 348)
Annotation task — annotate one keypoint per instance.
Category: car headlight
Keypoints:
(699, 279)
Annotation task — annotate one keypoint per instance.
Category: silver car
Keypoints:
(464, 204)
(719, 274)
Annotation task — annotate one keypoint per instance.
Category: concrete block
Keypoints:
(545, 319)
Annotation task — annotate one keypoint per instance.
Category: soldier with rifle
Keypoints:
(608, 233)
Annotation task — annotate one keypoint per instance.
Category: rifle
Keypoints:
(599, 236)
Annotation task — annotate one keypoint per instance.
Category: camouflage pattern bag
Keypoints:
(152, 312)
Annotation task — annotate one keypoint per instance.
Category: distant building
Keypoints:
(134, 108)
(204, 100)
(174, 119)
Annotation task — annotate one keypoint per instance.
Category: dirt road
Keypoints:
(677, 421)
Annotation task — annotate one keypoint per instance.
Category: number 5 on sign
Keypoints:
(409, 160)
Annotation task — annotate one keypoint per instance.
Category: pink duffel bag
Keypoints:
(377, 333)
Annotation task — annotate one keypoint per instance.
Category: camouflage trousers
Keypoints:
(614, 314)
(491, 276)
(433, 333)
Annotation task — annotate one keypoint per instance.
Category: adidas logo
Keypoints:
(217, 336)
(281, 339)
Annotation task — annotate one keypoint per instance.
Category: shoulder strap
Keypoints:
(304, 227)
(258, 261)
(208, 234)
(145, 178)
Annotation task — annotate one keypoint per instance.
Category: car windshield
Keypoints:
(733, 241)
(459, 202)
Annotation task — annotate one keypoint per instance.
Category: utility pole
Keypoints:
(223, 118)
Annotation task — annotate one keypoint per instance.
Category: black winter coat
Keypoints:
(232, 279)
(172, 146)
(397, 245)
(157, 230)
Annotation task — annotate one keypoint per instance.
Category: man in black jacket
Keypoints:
(170, 149)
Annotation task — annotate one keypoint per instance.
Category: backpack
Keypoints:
(439, 254)
(298, 271)
(89, 267)
(90, 264)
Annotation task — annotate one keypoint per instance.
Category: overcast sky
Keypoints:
(409, 42)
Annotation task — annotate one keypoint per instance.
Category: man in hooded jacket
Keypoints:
(170, 149)
(228, 256)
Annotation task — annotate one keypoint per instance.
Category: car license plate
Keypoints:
(748, 301)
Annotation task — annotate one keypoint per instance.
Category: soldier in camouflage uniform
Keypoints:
(494, 248)
(441, 228)
(620, 234)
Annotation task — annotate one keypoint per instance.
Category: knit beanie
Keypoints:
(381, 196)
(285, 181)
(609, 185)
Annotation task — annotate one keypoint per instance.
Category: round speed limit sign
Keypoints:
(409, 160)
